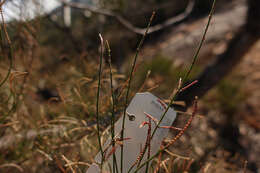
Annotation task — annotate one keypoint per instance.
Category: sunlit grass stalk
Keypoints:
(129, 85)
(115, 167)
(195, 57)
(98, 93)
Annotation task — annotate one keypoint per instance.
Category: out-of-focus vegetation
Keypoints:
(47, 105)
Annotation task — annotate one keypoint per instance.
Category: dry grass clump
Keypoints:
(47, 121)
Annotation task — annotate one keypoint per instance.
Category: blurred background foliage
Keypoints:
(47, 107)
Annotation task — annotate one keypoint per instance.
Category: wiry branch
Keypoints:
(128, 24)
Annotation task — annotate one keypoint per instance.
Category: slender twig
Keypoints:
(195, 57)
(10, 51)
(77, 163)
(113, 108)
(188, 86)
(98, 93)
(68, 163)
(129, 25)
(13, 165)
(129, 85)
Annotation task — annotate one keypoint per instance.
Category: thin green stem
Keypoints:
(195, 57)
(115, 167)
(185, 78)
(98, 93)
(129, 85)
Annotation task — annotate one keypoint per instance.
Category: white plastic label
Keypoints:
(141, 104)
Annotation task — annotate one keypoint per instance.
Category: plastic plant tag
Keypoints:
(141, 105)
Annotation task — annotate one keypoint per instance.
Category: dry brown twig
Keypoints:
(128, 24)
(68, 163)
(12, 165)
